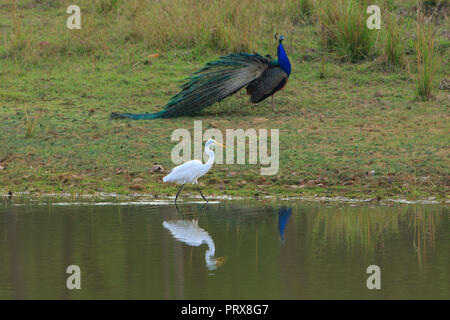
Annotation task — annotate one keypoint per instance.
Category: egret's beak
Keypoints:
(219, 144)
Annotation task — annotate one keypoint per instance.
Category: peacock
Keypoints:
(261, 75)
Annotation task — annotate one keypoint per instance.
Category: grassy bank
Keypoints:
(353, 128)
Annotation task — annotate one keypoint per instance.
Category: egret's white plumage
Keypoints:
(190, 233)
(188, 172)
(191, 171)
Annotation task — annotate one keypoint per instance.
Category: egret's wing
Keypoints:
(185, 172)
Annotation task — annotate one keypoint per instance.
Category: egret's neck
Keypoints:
(209, 254)
(210, 161)
(211, 247)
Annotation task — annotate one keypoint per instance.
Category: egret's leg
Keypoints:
(273, 104)
(202, 194)
(178, 193)
(178, 210)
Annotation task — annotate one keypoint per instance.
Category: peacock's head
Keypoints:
(280, 38)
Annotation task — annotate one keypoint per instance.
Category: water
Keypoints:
(227, 250)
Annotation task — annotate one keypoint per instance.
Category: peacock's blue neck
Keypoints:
(283, 59)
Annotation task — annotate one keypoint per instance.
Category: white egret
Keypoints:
(190, 171)
(191, 234)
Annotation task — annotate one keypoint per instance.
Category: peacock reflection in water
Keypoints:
(284, 214)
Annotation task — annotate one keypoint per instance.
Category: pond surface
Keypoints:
(226, 250)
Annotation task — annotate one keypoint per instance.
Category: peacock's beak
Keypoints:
(219, 144)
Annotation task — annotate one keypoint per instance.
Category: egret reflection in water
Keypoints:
(190, 233)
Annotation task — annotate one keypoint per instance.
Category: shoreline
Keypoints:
(150, 199)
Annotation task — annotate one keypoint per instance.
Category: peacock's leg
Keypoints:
(178, 193)
(273, 104)
(202, 194)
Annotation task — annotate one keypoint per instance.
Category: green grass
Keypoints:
(338, 121)
(393, 42)
(343, 28)
(426, 61)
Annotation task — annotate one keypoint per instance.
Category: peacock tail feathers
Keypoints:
(213, 83)
(216, 81)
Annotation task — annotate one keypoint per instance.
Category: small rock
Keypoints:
(262, 180)
(65, 178)
(297, 186)
(214, 124)
(378, 94)
(137, 187)
(2, 168)
(311, 183)
(242, 183)
(75, 177)
(371, 173)
(157, 168)
(44, 44)
(444, 84)
(259, 120)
